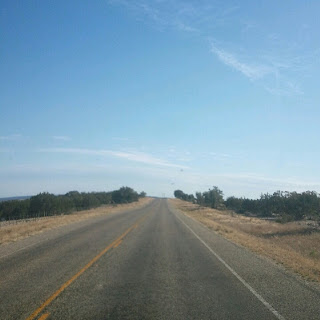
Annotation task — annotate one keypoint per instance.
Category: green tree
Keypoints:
(213, 198)
(179, 194)
(142, 194)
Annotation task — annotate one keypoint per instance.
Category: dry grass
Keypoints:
(21, 230)
(296, 245)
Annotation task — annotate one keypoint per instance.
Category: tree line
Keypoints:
(283, 205)
(212, 198)
(47, 204)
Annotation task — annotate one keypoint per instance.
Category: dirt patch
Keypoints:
(296, 245)
(25, 228)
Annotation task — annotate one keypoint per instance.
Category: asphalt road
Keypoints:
(151, 263)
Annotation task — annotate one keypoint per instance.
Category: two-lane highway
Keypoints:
(151, 263)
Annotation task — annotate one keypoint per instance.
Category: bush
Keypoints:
(288, 206)
(47, 204)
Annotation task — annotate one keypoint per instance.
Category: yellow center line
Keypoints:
(87, 266)
(117, 244)
(44, 316)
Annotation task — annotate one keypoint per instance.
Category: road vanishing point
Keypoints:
(148, 263)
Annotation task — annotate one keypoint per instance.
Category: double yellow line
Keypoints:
(114, 244)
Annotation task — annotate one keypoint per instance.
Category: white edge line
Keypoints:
(23, 248)
(254, 292)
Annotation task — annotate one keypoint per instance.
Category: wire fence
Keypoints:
(29, 218)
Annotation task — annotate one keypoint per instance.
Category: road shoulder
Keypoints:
(62, 225)
(275, 284)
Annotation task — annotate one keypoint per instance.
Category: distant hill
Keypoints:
(15, 198)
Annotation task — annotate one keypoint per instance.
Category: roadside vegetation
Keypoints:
(283, 226)
(47, 204)
(295, 245)
(283, 206)
(19, 229)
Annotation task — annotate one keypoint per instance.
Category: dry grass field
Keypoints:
(296, 245)
(23, 229)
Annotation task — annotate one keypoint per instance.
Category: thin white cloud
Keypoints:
(158, 179)
(174, 14)
(284, 88)
(269, 184)
(220, 155)
(269, 75)
(120, 139)
(186, 28)
(185, 159)
(177, 155)
(251, 71)
(248, 184)
(61, 138)
(208, 19)
(130, 156)
(10, 137)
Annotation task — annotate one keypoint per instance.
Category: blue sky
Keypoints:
(159, 95)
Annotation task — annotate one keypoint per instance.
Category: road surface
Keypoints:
(150, 263)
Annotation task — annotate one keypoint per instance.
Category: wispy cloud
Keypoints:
(130, 156)
(186, 28)
(248, 184)
(251, 71)
(10, 137)
(269, 75)
(177, 155)
(266, 182)
(163, 14)
(221, 156)
(274, 67)
(168, 178)
(61, 138)
(120, 139)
